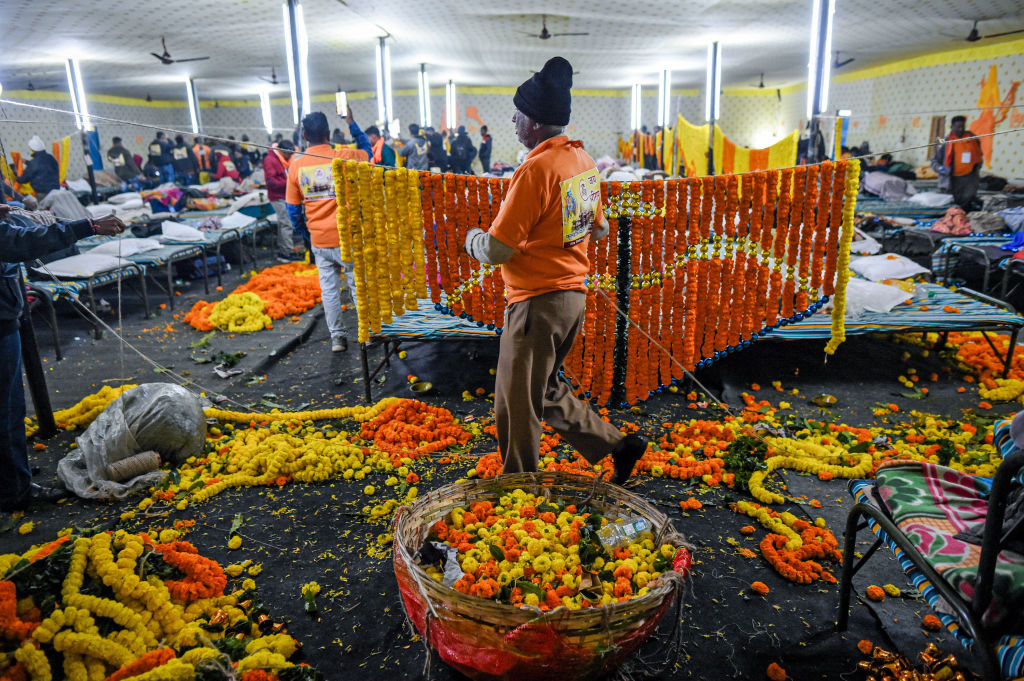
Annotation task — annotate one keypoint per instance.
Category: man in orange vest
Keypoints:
(962, 162)
(309, 199)
(202, 152)
(540, 237)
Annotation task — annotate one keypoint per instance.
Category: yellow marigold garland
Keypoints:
(341, 196)
(359, 414)
(84, 412)
(240, 313)
(146, 616)
(843, 258)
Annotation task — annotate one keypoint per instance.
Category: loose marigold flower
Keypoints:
(875, 593)
(932, 623)
(775, 672)
(760, 587)
(747, 529)
(865, 646)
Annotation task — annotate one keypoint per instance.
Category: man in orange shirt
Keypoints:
(309, 199)
(540, 238)
(962, 162)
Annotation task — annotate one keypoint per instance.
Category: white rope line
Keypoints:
(331, 158)
(182, 380)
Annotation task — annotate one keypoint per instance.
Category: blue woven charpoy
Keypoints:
(1010, 649)
(425, 323)
(908, 317)
(944, 260)
(160, 256)
(900, 209)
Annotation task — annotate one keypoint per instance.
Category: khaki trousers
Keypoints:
(538, 335)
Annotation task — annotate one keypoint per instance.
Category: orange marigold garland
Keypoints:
(151, 660)
(821, 228)
(807, 229)
(774, 301)
(204, 577)
(411, 428)
(428, 198)
(792, 241)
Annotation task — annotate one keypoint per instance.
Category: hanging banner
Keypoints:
(730, 157)
(63, 157)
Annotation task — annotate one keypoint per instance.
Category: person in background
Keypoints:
(21, 240)
(251, 151)
(359, 138)
(383, 154)
(186, 165)
(225, 166)
(485, 149)
(540, 237)
(277, 138)
(958, 163)
(42, 170)
(463, 152)
(160, 156)
(203, 155)
(338, 137)
(436, 157)
(124, 165)
(241, 160)
(311, 205)
(275, 171)
(415, 150)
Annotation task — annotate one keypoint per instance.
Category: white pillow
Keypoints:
(83, 266)
(118, 199)
(865, 296)
(175, 232)
(886, 266)
(932, 199)
(126, 247)
(101, 209)
(79, 185)
(862, 243)
(236, 221)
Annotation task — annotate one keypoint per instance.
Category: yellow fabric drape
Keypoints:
(692, 141)
(666, 150)
(730, 157)
(65, 157)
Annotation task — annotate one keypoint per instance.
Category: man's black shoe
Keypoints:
(35, 494)
(625, 455)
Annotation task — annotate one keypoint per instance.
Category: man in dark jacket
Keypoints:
(22, 240)
(124, 165)
(463, 152)
(415, 150)
(186, 165)
(42, 171)
(485, 149)
(160, 156)
(436, 157)
(275, 173)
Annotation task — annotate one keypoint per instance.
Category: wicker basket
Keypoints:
(487, 640)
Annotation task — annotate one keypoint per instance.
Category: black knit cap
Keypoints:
(545, 97)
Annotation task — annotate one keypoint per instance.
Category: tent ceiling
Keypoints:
(480, 43)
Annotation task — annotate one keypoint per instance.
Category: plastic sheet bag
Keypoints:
(865, 296)
(162, 417)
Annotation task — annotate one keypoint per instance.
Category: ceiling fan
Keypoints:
(166, 58)
(544, 33)
(838, 63)
(975, 36)
(273, 77)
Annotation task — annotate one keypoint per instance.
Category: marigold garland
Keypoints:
(843, 259)
(751, 248)
(153, 630)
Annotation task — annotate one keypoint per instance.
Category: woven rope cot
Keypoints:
(486, 640)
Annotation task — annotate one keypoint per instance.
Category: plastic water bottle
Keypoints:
(622, 532)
